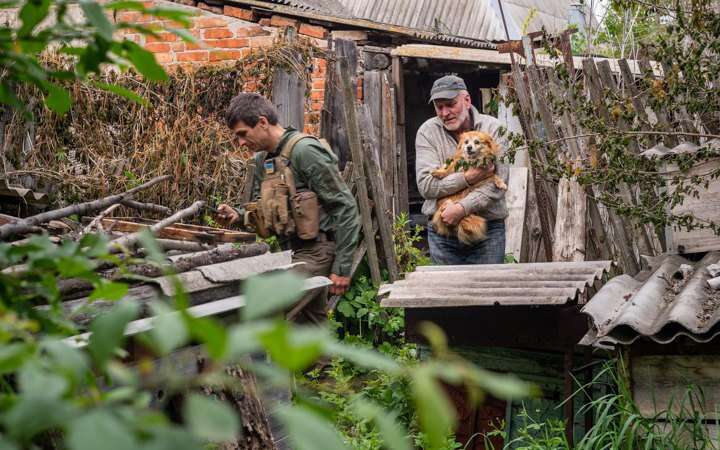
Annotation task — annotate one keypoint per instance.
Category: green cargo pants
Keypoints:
(318, 257)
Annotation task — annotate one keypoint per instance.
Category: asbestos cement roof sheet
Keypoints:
(671, 299)
(660, 150)
(495, 284)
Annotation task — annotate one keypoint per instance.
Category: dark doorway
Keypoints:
(419, 75)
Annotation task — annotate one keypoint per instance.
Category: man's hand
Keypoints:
(340, 284)
(227, 215)
(475, 174)
(453, 213)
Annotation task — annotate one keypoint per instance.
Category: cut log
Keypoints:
(131, 239)
(183, 232)
(25, 225)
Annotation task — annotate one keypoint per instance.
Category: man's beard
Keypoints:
(458, 122)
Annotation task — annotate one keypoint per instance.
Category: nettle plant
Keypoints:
(60, 395)
(688, 50)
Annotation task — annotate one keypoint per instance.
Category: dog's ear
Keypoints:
(494, 147)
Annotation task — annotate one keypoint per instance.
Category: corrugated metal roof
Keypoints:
(671, 300)
(494, 284)
(322, 6)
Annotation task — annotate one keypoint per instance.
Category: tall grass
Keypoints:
(618, 424)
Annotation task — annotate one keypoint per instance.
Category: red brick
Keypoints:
(282, 21)
(228, 43)
(163, 58)
(187, 2)
(132, 37)
(199, 45)
(163, 37)
(158, 47)
(316, 106)
(312, 30)
(210, 22)
(317, 94)
(127, 16)
(264, 22)
(149, 4)
(318, 83)
(217, 33)
(201, 55)
(240, 13)
(251, 31)
(178, 46)
(261, 41)
(225, 55)
(213, 9)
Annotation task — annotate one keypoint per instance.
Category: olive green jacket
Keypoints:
(316, 169)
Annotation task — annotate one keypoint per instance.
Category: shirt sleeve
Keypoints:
(258, 163)
(320, 170)
(428, 158)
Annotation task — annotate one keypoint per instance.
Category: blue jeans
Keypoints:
(450, 251)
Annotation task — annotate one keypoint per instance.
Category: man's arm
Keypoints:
(230, 215)
(321, 172)
(428, 158)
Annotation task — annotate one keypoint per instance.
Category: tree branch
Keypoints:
(25, 225)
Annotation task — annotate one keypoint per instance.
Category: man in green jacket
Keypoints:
(254, 120)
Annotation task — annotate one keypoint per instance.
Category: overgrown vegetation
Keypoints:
(105, 143)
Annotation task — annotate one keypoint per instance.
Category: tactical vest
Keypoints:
(281, 210)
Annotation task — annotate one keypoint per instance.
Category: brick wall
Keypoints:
(226, 35)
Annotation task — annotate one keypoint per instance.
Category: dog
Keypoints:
(474, 149)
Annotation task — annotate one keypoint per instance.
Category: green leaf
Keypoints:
(58, 99)
(109, 290)
(32, 414)
(97, 18)
(33, 380)
(269, 294)
(364, 357)
(183, 34)
(294, 350)
(346, 308)
(7, 445)
(210, 419)
(149, 243)
(68, 360)
(125, 5)
(31, 14)
(435, 413)
(243, 338)
(211, 334)
(144, 62)
(108, 331)
(169, 331)
(13, 356)
(123, 92)
(173, 439)
(308, 430)
(393, 433)
(99, 429)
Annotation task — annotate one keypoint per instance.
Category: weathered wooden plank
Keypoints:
(661, 382)
(546, 211)
(383, 213)
(622, 231)
(356, 149)
(288, 92)
(185, 232)
(660, 115)
(388, 151)
(516, 199)
(402, 168)
(569, 242)
(372, 98)
(248, 181)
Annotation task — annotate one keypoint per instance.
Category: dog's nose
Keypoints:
(469, 148)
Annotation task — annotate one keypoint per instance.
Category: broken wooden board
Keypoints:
(179, 231)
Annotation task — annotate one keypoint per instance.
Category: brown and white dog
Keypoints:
(474, 149)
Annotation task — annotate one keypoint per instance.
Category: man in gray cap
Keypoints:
(435, 143)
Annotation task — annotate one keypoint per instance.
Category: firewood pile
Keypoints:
(210, 263)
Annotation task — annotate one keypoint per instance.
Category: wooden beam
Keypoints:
(515, 223)
(356, 150)
(402, 168)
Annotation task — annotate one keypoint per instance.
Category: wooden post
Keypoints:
(398, 80)
(353, 132)
(515, 223)
(377, 185)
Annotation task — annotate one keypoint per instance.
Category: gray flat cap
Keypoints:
(447, 87)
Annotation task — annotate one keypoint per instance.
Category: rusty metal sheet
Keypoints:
(494, 284)
(670, 300)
